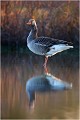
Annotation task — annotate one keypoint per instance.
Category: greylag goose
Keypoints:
(44, 45)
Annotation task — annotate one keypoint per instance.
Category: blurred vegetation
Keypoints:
(57, 19)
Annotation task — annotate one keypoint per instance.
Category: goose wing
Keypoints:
(48, 42)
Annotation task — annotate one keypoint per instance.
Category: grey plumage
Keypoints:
(44, 45)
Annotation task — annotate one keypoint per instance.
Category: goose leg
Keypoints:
(45, 63)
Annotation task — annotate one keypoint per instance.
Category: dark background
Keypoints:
(57, 19)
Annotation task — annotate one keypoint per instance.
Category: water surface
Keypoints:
(19, 66)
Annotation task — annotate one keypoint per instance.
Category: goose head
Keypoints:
(32, 23)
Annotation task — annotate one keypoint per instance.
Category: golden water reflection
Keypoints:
(16, 69)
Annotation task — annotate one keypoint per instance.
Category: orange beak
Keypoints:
(29, 23)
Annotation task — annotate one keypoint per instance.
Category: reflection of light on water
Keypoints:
(44, 83)
(21, 67)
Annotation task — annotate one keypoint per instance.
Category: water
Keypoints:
(18, 67)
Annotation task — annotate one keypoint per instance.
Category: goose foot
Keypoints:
(45, 67)
(46, 70)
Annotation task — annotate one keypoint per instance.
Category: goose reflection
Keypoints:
(44, 83)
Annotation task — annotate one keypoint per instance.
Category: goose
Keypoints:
(45, 46)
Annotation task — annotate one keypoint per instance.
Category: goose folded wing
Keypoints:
(48, 42)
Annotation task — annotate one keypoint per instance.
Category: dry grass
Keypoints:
(55, 19)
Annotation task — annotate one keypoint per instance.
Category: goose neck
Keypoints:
(32, 35)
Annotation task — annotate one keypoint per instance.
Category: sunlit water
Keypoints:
(19, 66)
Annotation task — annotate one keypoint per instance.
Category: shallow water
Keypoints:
(19, 66)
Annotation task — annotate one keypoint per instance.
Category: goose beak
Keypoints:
(29, 23)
